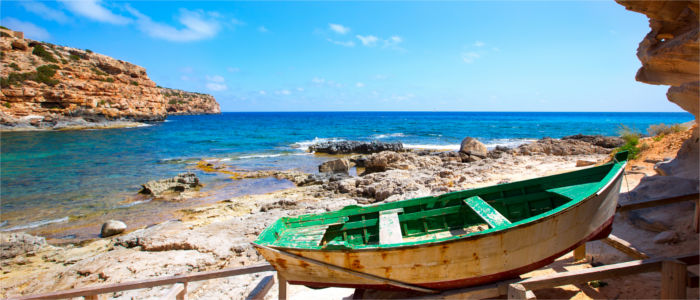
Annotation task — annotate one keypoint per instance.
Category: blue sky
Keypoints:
(321, 56)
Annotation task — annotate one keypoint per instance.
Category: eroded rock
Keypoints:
(19, 243)
(347, 147)
(178, 184)
(335, 166)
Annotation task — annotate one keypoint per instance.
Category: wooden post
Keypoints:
(696, 218)
(182, 295)
(580, 252)
(673, 279)
(518, 291)
(96, 297)
(262, 288)
(175, 292)
(625, 247)
(282, 286)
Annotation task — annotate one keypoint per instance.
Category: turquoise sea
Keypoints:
(60, 183)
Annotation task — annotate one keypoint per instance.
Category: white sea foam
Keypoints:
(35, 224)
(304, 145)
(510, 143)
(133, 203)
(270, 155)
(387, 135)
(144, 125)
(432, 146)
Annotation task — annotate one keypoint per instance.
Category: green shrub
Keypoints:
(134, 83)
(45, 73)
(88, 50)
(107, 79)
(45, 55)
(8, 105)
(74, 57)
(14, 66)
(3, 27)
(172, 101)
(5, 34)
(663, 129)
(631, 138)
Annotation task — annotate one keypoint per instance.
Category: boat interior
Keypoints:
(429, 218)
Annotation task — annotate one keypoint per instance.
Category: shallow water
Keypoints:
(55, 181)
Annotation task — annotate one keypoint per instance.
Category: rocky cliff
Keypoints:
(189, 103)
(49, 86)
(670, 55)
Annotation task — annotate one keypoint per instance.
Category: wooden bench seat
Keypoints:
(390, 227)
(489, 214)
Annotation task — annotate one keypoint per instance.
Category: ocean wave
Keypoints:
(387, 135)
(270, 155)
(144, 125)
(432, 146)
(304, 145)
(510, 143)
(132, 204)
(35, 224)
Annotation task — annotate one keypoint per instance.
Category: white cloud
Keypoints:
(283, 92)
(263, 29)
(44, 11)
(187, 70)
(342, 43)
(318, 80)
(184, 78)
(233, 69)
(238, 22)
(300, 89)
(217, 87)
(30, 30)
(215, 78)
(197, 26)
(93, 9)
(380, 77)
(368, 40)
(359, 84)
(470, 57)
(262, 92)
(339, 29)
(479, 44)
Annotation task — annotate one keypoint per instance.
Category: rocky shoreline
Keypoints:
(217, 236)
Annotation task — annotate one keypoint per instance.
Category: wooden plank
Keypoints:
(174, 291)
(390, 227)
(282, 287)
(262, 288)
(183, 294)
(625, 247)
(673, 279)
(486, 212)
(149, 283)
(658, 202)
(580, 252)
(586, 275)
(518, 291)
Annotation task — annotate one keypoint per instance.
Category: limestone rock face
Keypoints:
(84, 84)
(670, 51)
(189, 103)
(18, 243)
(180, 183)
(670, 55)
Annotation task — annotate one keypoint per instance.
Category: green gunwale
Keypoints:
(568, 189)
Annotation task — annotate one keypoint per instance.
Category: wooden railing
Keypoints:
(673, 283)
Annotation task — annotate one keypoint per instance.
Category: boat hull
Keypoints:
(473, 260)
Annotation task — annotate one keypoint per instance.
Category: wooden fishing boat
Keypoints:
(453, 240)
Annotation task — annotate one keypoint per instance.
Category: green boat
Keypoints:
(453, 240)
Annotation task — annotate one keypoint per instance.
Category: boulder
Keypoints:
(18, 243)
(112, 227)
(19, 45)
(180, 183)
(472, 147)
(335, 166)
(666, 237)
(347, 147)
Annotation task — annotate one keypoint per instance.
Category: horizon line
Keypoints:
(448, 111)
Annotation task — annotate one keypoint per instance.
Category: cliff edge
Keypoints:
(48, 86)
(670, 55)
(189, 103)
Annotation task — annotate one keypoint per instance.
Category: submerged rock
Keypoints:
(112, 227)
(347, 147)
(18, 243)
(178, 184)
(335, 166)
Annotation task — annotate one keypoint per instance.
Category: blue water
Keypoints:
(65, 176)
